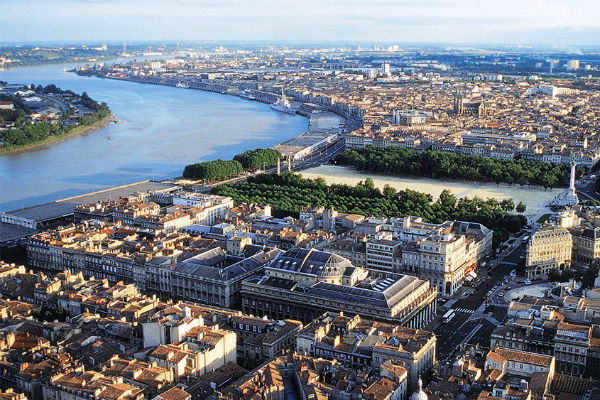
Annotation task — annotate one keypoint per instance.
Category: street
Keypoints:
(477, 314)
(587, 187)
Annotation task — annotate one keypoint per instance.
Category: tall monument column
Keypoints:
(572, 181)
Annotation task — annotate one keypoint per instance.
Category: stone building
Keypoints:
(548, 248)
(215, 277)
(586, 245)
(89, 385)
(304, 283)
(359, 343)
(444, 254)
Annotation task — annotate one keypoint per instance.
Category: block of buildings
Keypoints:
(359, 342)
(304, 283)
(89, 385)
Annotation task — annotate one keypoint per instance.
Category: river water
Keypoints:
(164, 129)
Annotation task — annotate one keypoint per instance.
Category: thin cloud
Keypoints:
(339, 20)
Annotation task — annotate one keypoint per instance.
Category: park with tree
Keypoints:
(289, 192)
(437, 164)
(258, 158)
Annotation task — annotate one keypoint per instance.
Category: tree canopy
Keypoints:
(288, 193)
(438, 164)
(25, 131)
(212, 170)
(258, 158)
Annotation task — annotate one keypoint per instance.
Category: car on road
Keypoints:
(527, 282)
(500, 294)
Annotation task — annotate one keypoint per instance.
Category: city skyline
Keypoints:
(252, 200)
(554, 23)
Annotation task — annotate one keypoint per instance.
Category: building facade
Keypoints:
(302, 284)
(359, 343)
(548, 248)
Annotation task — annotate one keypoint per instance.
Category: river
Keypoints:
(164, 129)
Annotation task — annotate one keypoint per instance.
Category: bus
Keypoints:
(448, 316)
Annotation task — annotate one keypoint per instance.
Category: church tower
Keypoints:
(459, 108)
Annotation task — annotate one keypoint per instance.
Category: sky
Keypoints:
(547, 22)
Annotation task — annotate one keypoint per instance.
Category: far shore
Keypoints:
(67, 62)
(79, 130)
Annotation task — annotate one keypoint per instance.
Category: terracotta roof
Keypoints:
(523, 357)
(174, 393)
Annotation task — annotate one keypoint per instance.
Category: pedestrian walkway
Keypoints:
(464, 310)
(493, 320)
(481, 308)
(505, 305)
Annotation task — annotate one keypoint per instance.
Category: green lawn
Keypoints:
(543, 218)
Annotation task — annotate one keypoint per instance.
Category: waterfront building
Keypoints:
(548, 248)
(303, 283)
(385, 69)
(187, 208)
(61, 213)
